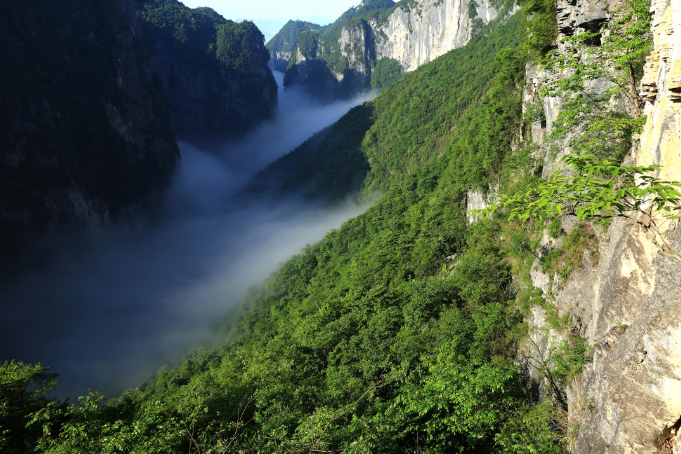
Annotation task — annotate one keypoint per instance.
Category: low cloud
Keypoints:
(113, 306)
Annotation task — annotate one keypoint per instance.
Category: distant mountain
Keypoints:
(215, 70)
(281, 46)
(88, 120)
(378, 144)
(269, 27)
(337, 61)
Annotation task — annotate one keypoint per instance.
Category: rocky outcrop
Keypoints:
(283, 44)
(628, 398)
(477, 200)
(430, 29)
(312, 74)
(215, 71)
(411, 35)
(85, 131)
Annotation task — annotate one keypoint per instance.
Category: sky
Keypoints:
(276, 9)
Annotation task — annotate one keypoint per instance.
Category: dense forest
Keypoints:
(403, 330)
(379, 143)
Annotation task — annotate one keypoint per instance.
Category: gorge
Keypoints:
(507, 279)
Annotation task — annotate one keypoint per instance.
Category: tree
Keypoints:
(385, 73)
(598, 191)
(601, 108)
(24, 389)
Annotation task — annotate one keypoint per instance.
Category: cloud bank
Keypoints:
(112, 306)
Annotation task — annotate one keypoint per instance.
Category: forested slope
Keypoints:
(214, 70)
(421, 326)
(282, 45)
(397, 332)
(379, 143)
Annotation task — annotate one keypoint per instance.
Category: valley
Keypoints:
(452, 228)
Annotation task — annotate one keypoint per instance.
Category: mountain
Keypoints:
(284, 42)
(548, 325)
(85, 126)
(365, 150)
(214, 70)
(338, 60)
(370, 320)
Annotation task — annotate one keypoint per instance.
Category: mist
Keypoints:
(113, 306)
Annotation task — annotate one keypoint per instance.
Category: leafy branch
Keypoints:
(600, 72)
(598, 191)
(316, 429)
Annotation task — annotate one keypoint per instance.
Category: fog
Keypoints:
(112, 306)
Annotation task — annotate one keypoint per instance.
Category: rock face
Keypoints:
(410, 35)
(429, 30)
(476, 200)
(628, 399)
(283, 44)
(215, 71)
(85, 131)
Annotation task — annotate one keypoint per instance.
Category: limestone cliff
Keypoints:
(214, 70)
(410, 32)
(429, 29)
(85, 131)
(626, 296)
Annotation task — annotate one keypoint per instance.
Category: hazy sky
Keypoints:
(276, 9)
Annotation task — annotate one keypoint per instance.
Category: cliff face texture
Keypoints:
(429, 30)
(282, 45)
(85, 131)
(411, 35)
(628, 399)
(215, 71)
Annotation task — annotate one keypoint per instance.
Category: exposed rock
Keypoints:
(314, 76)
(434, 27)
(628, 398)
(283, 44)
(634, 380)
(661, 137)
(476, 200)
(410, 35)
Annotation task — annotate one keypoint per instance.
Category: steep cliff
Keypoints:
(430, 28)
(625, 296)
(281, 46)
(214, 70)
(85, 130)
(410, 33)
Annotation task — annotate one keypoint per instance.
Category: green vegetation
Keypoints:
(385, 72)
(330, 59)
(414, 121)
(396, 332)
(401, 330)
(595, 120)
(569, 257)
(599, 191)
(285, 41)
(23, 391)
(229, 54)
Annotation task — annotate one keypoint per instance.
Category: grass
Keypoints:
(570, 257)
